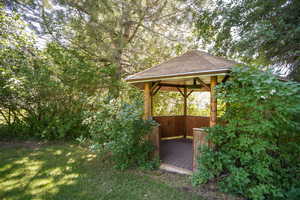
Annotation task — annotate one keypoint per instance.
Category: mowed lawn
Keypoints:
(66, 171)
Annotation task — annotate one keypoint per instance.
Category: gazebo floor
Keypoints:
(177, 152)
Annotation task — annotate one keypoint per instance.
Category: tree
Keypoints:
(44, 93)
(114, 34)
(260, 32)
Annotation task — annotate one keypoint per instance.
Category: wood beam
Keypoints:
(194, 81)
(213, 101)
(154, 86)
(147, 101)
(225, 78)
(182, 86)
(202, 83)
(157, 89)
(151, 98)
(186, 95)
(185, 109)
(185, 101)
(189, 93)
(180, 91)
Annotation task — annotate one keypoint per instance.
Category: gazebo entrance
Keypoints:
(194, 71)
(176, 138)
(177, 152)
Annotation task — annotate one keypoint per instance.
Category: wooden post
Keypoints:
(151, 98)
(185, 110)
(147, 101)
(185, 101)
(199, 140)
(213, 101)
(154, 136)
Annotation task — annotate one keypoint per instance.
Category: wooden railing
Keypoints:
(173, 126)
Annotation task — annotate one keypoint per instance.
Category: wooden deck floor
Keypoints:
(177, 152)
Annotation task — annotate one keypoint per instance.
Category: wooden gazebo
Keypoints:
(194, 71)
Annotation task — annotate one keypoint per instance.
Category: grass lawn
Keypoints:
(65, 171)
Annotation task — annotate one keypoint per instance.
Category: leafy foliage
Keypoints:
(264, 32)
(256, 153)
(43, 92)
(118, 128)
(112, 32)
(169, 103)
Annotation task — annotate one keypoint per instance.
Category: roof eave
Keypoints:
(214, 72)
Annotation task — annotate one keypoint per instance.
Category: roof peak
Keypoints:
(192, 61)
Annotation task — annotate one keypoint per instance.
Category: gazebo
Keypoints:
(194, 71)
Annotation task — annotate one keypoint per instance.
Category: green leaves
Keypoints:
(260, 32)
(119, 129)
(44, 93)
(255, 151)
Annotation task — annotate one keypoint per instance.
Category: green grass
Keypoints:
(64, 171)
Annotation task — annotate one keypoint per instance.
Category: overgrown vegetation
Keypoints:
(118, 129)
(52, 94)
(43, 92)
(256, 153)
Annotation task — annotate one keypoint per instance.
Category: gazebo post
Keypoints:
(213, 101)
(151, 105)
(198, 133)
(147, 100)
(153, 137)
(185, 109)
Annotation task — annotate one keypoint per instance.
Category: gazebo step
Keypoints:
(174, 169)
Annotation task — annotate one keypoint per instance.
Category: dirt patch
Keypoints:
(23, 144)
(209, 191)
(183, 183)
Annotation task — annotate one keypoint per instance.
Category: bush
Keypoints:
(44, 92)
(120, 130)
(256, 153)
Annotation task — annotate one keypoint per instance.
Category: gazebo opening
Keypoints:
(178, 137)
(177, 121)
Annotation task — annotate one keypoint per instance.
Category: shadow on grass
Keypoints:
(71, 172)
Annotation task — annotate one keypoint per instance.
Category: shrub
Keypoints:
(44, 92)
(256, 153)
(119, 129)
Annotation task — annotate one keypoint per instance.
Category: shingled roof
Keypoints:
(191, 63)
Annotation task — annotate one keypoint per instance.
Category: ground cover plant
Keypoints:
(256, 152)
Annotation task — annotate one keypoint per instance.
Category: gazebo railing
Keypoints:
(174, 126)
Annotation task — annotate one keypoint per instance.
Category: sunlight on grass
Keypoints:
(68, 179)
(70, 172)
(39, 186)
(32, 173)
(71, 160)
(54, 172)
(22, 160)
(57, 152)
(9, 184)
(5, 167)
(90, 157)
